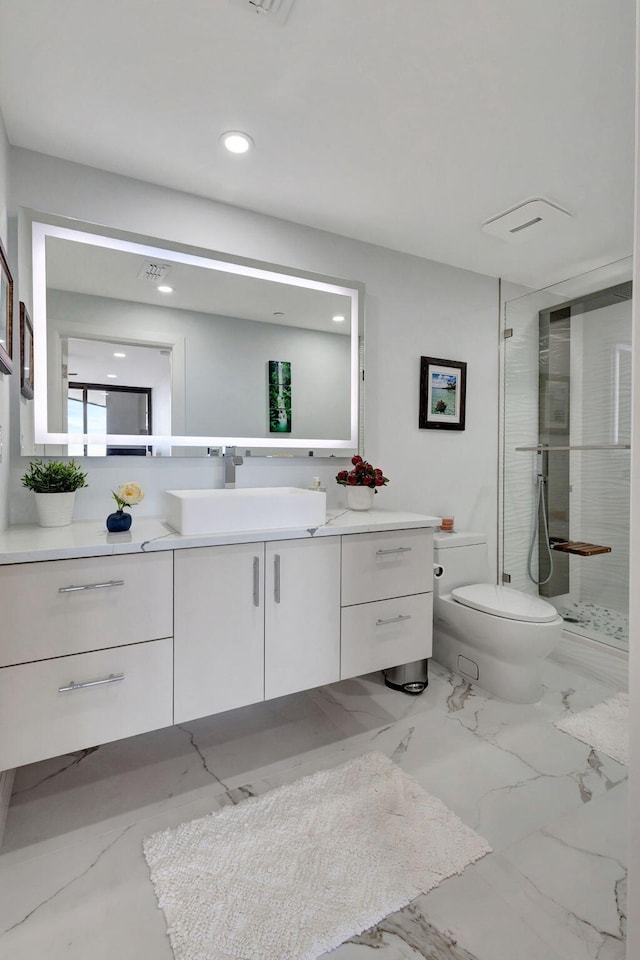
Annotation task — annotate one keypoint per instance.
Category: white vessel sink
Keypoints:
(254, 508)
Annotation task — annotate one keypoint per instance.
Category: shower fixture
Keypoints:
(540, 507)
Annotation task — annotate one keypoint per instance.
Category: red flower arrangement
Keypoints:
(362, 475)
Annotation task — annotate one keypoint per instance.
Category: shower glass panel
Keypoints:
(566, 429)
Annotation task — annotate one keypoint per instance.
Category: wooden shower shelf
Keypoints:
(580, 549)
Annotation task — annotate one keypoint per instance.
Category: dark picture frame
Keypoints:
(443, 394)
(26, 353)
(6, 314)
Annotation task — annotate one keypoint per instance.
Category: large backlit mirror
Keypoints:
(147, 348)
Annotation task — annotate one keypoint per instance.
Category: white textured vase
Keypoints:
(360, 498)
(55, 509)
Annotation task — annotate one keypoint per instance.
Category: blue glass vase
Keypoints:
(118, 521)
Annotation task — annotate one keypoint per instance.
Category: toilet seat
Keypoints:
(505, 602)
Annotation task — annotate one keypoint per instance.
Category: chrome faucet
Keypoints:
(231, 461)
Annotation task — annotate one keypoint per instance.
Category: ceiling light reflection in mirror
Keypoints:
(82, 280)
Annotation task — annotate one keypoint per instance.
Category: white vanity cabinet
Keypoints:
(97, 648)
(86, 653)
(219, 633)
(387, 583)
(254, 621)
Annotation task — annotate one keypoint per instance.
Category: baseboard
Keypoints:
(6, 786)
(593, 659)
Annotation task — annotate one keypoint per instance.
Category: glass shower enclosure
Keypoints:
(565, 457)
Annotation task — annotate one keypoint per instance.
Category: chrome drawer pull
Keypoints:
(91, 683)
(384, 553)
(276, 578)
(256, 581)
(403, 616)
(92, 586)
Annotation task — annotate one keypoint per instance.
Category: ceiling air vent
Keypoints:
(526, 221)
(274, 10)
(154, 271)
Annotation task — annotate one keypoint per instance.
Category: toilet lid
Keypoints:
(505, 602)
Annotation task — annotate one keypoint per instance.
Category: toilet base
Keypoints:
(514, 682)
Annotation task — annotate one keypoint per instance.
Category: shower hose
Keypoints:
(540, 503)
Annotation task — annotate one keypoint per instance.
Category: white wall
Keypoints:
(5, 381)
(413, 307)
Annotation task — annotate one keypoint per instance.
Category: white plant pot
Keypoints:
(55, 509)
(360, 498)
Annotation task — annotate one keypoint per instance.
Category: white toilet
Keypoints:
(490, 634)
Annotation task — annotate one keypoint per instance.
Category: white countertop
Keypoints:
(89, 538)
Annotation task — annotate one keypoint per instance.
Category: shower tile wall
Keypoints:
(600, 479)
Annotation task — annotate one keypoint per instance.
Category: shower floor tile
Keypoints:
(593, 621)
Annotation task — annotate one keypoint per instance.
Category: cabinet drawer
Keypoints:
(125, 599)
(378, 566)
(38, 721)
(385, 634)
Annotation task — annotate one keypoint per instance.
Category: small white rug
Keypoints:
(604, 727)
(297, 871)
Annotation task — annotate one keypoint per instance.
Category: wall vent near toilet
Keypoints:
(468, 668)
(529, 219)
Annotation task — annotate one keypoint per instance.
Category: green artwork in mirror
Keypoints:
(279, 396)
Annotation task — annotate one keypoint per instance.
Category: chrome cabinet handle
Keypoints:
(91, 683)
(276, 578)
(92, 586)
(403, 616)
(256, 581)
(384, 553)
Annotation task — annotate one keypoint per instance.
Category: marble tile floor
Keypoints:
(74, 883)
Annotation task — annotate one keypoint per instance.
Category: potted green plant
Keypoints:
(54, 484)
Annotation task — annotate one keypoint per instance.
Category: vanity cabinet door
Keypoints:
(219, 629)
(302, 614)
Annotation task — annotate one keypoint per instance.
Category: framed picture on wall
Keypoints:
(443, 386)
(26, 353)
(6, 313)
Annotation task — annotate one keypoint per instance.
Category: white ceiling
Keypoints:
(405, 123)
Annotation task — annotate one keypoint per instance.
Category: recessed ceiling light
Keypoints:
(112, 376)
(338, 319)
(236, 141)
(119, 354)
(164, 288)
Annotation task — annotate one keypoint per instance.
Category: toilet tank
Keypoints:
(465, 559)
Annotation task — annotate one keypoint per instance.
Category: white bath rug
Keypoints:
(604, 727)
(297, 871)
